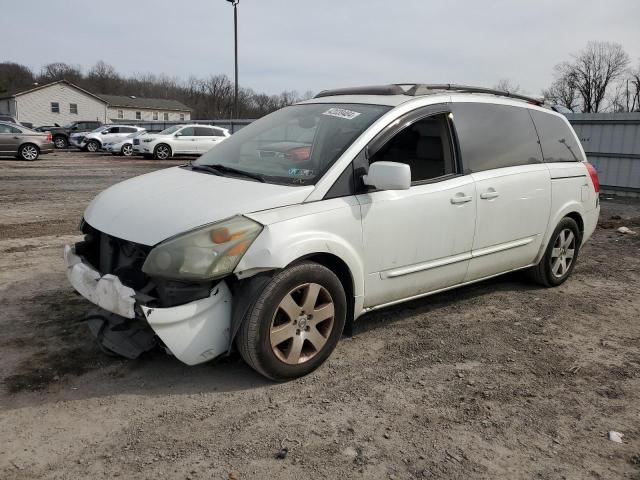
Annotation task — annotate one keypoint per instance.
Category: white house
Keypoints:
(122, 107)
(59, 102)
(63, 102)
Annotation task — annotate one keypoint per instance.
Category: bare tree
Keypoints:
(506, 85)
(593, 71)
(56, 71)
(563, 92)
(14, 76)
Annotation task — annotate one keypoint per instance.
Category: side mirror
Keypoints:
(178, 134)
(388, 176)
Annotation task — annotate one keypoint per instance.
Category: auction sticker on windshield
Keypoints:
(342, 113)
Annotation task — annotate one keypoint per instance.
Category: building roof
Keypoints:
(141, 102)
(17, 93)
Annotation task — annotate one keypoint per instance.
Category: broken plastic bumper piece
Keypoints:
(194, 332)
(105, 291)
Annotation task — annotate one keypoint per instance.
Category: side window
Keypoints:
(204, 132)
(187, 132)
(495, 136)
(557, 140)
(217, 132)
(8, 129)
(425, 146)
(114, 130)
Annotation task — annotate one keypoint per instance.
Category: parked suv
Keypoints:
(406, 191)
(94, 141)
(61, 134)
(180, 140)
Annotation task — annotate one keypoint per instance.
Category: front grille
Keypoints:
(113, 255)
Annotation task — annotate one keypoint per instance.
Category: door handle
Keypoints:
(489, 195)
(458, 199)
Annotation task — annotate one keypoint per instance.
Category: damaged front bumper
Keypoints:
(194, 332)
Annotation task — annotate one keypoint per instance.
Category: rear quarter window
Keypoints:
(558, 142)
(495, 136)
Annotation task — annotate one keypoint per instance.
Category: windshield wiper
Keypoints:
(235, 171)
(205, 168)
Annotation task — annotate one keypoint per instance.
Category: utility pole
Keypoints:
(235, 42)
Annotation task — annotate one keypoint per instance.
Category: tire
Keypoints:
(281, 345)
(92, 146)
(561, 255)
(60, 142)
(162, 152)
(126, 150)
(28, 152)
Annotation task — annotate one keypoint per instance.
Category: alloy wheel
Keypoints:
(302, 324)
(60, 142)
(562, 254)
(92, 147)
(162, 152)
(29, 152)
(127, 150)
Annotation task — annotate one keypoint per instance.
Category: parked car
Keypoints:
(76, 139)
(61, 134)
(407, 191)
(180, 140)
(94, 141)
(22, 142)
(123, 147)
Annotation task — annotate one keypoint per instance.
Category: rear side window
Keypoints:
(128, 129)
(203, 132)
(557, 140)
(495, 136)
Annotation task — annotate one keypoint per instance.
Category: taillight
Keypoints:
(300, 154)
(594, 176)
(49, 137)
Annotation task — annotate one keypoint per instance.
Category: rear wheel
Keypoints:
(560, 256)
(127, 150)
(92, 146)
(295, 323)
(162, 152)
(28, 152)
(60, 142)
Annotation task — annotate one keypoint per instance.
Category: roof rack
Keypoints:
(425, 89)
(368, 90)
(416, 89)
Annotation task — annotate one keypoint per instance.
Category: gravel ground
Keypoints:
(502, 379)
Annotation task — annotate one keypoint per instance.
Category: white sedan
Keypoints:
(180, 140)
(123, 147)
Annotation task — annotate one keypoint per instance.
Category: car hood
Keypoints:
(153, 207)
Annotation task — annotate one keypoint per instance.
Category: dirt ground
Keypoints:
(502, 379)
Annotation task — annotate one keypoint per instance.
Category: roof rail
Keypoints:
(425, 89)
(416, 89)
(368, 90)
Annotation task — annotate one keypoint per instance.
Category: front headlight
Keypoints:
(147, 140)
(203, 254)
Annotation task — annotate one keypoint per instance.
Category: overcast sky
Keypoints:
(317, 44)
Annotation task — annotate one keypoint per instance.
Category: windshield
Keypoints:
(296, 144)
(170, 130)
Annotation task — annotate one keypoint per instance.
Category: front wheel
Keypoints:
(560, 256)
(127, 150)
(295, 323)
(162, 152)
(93, 146)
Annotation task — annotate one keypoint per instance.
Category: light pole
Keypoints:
(235, 41)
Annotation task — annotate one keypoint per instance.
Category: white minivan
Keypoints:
(280, 237)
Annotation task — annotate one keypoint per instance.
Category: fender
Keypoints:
(566, 208)
(281, 244)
